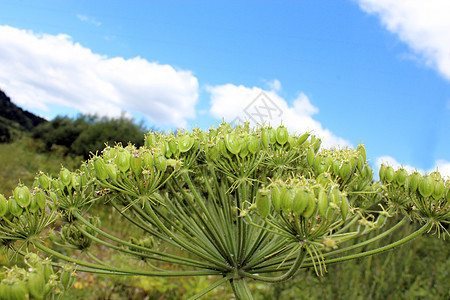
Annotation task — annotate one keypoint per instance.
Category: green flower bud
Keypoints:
(426, 186)
(22, 195)
(282, 135)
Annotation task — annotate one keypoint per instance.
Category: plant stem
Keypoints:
(240, 289)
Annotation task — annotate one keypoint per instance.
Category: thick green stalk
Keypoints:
(240, 289)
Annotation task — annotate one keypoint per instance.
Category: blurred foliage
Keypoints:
(22, 159)
(87, 133)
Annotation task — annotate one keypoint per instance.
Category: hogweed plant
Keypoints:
(241, 204)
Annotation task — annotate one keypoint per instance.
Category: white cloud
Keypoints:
(87, 19)
(423, 25)
(441, 165)
(255, 105)
(41, 70)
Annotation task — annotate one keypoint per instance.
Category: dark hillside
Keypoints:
(14, 119)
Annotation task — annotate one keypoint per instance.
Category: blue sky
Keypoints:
(376, 72)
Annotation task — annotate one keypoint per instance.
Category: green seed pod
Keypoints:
(272, 135)
(244, 150)
(282, 135)
(161, 163)
(36, 284)
(76, 181)
(65, 176)
(335, 196)
(301, 200)
(344, 207)
(22, 195)
(368, 173)
(275, 196)
(67, 278)
(400, 176)
(254, 144)
(389, 174)
(265, 139)
(447, 194)
(185, 143)
(223, 148)
(48, 269)
(287, 196)
(148, 160)
(212, 152)
(439, 189)
(302, 139)
(233, 143)
(100, 169)
(317, 144)
(346, 169)
(381, 220)
(40, 198)
(310, 156)
(112, 171)
(323, 203)
(362, 151)
(336, 166)
(150, 140)
(311, 206)
(173, 146)
(17, 290)
(263, 203)
(382, 172)
(123, 160)
(43, 181)
(136, 162)
(33, 205)
(435, 175)
(14, 208)
(3, 206)
(109, 154)
(414, 179)
(360, 162)
(426, 186)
